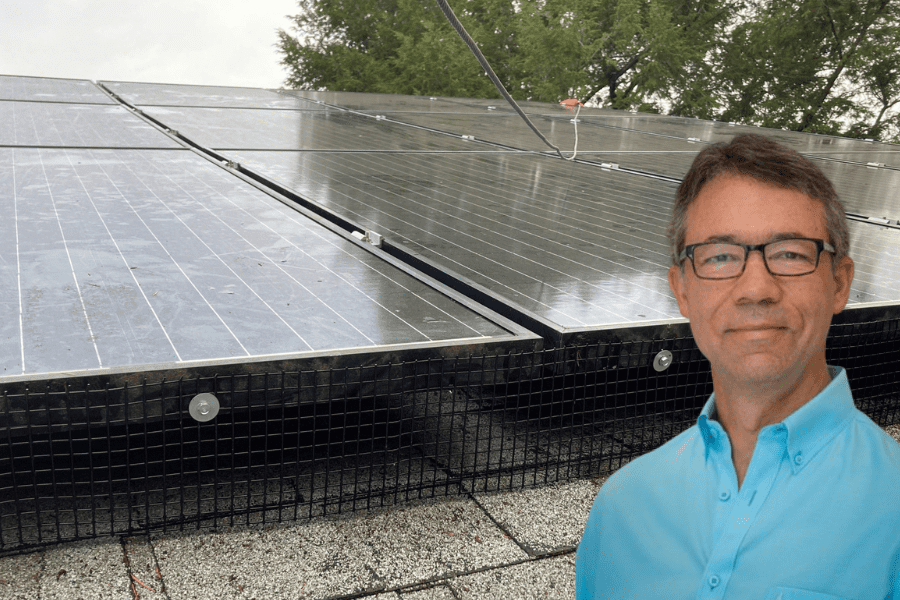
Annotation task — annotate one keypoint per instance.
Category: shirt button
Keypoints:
(798, 459)
(713, 581)
(779, 428)
(724, 495)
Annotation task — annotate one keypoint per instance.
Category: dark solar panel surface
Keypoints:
(42, 89)
(120, 247)
(383, 103)
(887, 158)
(668, 148)
(876, 252)
(300, 130)
(571, 243)
(574, 244)
(204, 95)
(510, 130)
(123, 257)
(80, 125)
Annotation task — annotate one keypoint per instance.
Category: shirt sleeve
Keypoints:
(586, 555)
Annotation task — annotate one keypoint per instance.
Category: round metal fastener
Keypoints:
(663, 360)
(204, 407)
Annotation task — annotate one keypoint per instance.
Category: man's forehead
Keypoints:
(741, 209)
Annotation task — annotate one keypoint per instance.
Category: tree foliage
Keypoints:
(826, 66)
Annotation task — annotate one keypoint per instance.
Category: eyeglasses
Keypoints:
(787, 258)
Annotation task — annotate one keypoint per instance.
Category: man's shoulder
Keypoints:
(659, 468)
(870, 438)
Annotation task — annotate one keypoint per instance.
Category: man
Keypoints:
(783, 489)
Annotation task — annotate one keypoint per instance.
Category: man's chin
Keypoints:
(756, 368)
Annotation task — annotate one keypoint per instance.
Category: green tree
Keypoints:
(825, 66)
(397, 46)
(791, 63)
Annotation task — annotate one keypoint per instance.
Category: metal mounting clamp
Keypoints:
(662, 361)
(204, 407)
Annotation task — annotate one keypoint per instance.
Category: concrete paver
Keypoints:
(145, 574)
(20, 576)
(438, 592)
(546, 579)
(329, 557)
(546, 519)
(90, 570)
(447, 549)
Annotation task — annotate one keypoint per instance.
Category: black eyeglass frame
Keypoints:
(821, 245)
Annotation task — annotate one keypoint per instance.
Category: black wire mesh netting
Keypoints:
(78, 460)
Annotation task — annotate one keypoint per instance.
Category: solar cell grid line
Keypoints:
(49, 124)
(9, 189)
(325, 267)
(214, 253)
(50, 89)
(65, 246)
(357, 191)
(157, 94)
(129, 200)
(240, 128)
(131, 272)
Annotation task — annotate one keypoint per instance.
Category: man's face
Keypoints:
(759, 327)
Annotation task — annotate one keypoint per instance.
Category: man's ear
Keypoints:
(843, 278)
(676, 283)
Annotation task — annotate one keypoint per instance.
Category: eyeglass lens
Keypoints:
(786, 257)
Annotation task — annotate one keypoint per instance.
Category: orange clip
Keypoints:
(571, 104)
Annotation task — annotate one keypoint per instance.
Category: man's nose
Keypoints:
(756, 284)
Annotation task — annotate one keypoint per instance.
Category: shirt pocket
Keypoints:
(784, 593)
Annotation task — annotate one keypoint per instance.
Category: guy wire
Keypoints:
(448, 12)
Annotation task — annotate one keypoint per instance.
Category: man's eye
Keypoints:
(721, 258)
(787, 256)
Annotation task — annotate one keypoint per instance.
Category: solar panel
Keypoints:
(136, 281)
(875, 157)
(223, 128)
(380, 103)
(876, 252)
(76, 125)
(204, 95)
(138, 257)
(567, 242)
(573, 244)
(44, 89)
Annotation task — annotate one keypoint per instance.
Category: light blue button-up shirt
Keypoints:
(817, 516)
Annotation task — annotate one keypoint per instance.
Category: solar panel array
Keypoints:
(129, 248)
(161, 243)
(123, 248)
(465, 185)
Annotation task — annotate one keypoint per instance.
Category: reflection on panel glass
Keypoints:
(134, 257)
(78, 125)
(300, 130)
(205, 95)
(45, 89)
(574, 244)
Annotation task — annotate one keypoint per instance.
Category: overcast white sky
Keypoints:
(211, 42)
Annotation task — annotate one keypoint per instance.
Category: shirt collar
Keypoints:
(809, 428)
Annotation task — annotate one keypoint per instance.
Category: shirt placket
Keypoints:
(745, 505)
